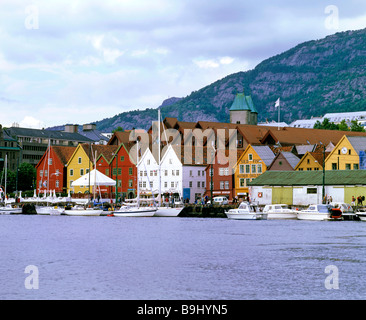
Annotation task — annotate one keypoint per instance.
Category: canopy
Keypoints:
(96, 178)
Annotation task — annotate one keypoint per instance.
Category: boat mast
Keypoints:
(6, 172)
(137, 162)
(159, 170)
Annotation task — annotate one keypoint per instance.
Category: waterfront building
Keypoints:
(34, 142)
(81, 162)
(9, 147)
(303, 188)
(51, 169)
(251, 164)
(312, 161)
(348, 154)
(284, 161)
(222, 176)
(115, 163)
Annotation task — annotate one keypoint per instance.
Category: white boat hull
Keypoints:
(135, 212)
(167, 212)
(362, 216)
(313, 216)
(246, 216)
(50, 211)
(83, 212)
(10, 210)
(282, 215)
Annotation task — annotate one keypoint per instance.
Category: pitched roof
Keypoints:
(310, 178)
(358, 143)
(240, 103)
(265, 153)
(47, 134)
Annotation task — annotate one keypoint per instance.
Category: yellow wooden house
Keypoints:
(311, 161)
(78, 165)
(347, 154)
(252, 163)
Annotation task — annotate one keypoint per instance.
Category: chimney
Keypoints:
(71, 128)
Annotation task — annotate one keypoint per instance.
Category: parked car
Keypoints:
(220, 200)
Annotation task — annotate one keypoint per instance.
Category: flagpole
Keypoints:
(279, 107)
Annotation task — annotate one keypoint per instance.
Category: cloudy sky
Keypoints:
(79, 61)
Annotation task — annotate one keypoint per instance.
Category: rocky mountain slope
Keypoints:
(313, 78)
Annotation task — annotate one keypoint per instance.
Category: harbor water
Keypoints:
(180, 258)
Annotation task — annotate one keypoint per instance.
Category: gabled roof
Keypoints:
(310, 178)
(358, 143)
(63, 153)
(265, 153)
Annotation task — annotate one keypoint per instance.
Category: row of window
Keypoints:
(348, 166)
(250, 168)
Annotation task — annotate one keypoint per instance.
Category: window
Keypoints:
(190, 173)
(348, 166)
(226, 171)
(222, 184)
(250, 157)
(311, 190)
(190, 184)
(308, 169)
(247, 168)
(355, 166)
(308, 161)
(130, 183)
(221, 171)
(301, 169)
(334, 166)
(349, 151)
(41, 173)
(259, 168)
(71, 172)
(46, 173)
(166, 173)
(144, 184)
(242, 182)
(119, 171)
(79, 160)
(177, 172)
(151, 173)
(122, 158)
(254, 167)
(148, 161)
(165, 184)
(172, 184)
(199, 173)
(241, 168)
(81, 172)
(107, 172)
(203, 184)
(227, 185)
(198, 184)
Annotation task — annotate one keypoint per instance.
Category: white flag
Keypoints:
(277, 103)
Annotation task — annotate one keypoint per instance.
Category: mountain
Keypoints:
(313, 78)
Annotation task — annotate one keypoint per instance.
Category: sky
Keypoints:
(80, 61)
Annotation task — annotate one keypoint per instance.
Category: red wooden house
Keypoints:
(118, 166)
(222, 178)
(51, 170)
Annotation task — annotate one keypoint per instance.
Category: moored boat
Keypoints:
(361, 213)
(167, 212)
(279, 211)
(246, 211)
(315, 212)
(126, 211)
(50, 210)
(81, 211)
(9, 209)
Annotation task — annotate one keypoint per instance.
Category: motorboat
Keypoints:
(361, 213)
(315, 212)
(82, 211)
(348, 212)
(126, 211)
(279, 211)
(246, 211)
(167, 212)
(9, 209)
(50, 210)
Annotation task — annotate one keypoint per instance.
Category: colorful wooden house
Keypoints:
(115, 163)
(348, 154)
(252, 163)
(51, 169)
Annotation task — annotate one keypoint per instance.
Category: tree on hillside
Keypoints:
(355, 126)
(118, 129)
(342, 126)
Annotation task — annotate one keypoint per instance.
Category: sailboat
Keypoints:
(130, 211)
(48, 209)
(163, 211)
(8, 208)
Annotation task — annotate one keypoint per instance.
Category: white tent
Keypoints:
(96, 178)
